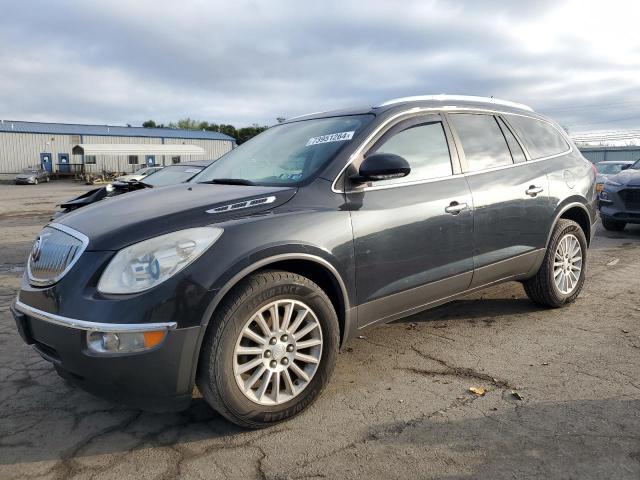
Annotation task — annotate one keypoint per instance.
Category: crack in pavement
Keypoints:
(453, 370)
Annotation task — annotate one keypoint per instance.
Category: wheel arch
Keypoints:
(314, 267)
(577, 212)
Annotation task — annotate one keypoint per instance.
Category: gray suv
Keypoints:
(247, 280)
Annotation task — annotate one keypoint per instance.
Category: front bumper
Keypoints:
(157, 380)
(614, 207)
(24, 181)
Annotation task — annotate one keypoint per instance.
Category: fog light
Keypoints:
(124, 342)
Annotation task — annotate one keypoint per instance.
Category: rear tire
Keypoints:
(221, 378)
(613, 225)
(561, 275)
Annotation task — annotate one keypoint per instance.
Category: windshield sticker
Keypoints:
(332, 137)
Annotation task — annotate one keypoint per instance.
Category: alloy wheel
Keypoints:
(277, 352)
(567, 264)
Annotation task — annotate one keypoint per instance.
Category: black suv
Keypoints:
(620, 198)
(247, 282)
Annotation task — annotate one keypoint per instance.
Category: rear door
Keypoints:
(413, 235)
(510, 197)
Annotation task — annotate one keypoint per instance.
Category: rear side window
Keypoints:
(540, 138)
(424, 147)
(482, 140)
(514, 146)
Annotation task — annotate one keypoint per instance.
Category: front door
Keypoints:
(45, 162)
(412, 236)
(510, 198)
(63, 162)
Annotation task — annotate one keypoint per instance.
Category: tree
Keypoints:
(240, 134)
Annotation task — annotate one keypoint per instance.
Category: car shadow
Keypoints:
(486, 308)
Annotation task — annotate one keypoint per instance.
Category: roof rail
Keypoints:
(456, 98)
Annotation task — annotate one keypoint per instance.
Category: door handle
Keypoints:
(532, 191)
(455, 208)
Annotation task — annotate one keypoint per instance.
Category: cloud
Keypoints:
(248, 61)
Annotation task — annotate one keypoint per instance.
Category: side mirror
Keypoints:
(382, 166)
(624, 167)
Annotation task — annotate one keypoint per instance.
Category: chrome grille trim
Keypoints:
(59, 260)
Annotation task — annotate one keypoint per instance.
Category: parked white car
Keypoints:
(138, 174)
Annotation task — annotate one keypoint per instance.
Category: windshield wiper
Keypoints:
(230, 181)
(138, 182)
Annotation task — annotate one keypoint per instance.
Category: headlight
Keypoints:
(612, 183)
(146, 264)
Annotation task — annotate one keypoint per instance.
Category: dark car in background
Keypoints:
(608, 168)
(162, 176)
(32, 176)
(620, 198)
(248, 279)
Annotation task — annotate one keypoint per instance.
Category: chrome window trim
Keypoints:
(441, 109)
(38, 282)
(90, 326)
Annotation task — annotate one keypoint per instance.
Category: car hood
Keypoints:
(25, 176)
(626, 177)
(120, 221)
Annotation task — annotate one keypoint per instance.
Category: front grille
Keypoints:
(631, 198)
(53, 254)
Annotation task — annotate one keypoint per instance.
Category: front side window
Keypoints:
(287, 154)
(482, 140)
(424, 146)
(540, 138)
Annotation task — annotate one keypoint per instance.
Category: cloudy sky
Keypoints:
(244, 62)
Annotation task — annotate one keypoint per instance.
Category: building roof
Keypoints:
(107, 130)
(135, 149)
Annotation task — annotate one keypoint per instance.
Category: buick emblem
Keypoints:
(36, 250)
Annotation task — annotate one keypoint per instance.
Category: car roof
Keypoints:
(449, 102)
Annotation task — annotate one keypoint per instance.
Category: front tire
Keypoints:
(35, 182)
(270, 349)
(613, 225)
(562, 273)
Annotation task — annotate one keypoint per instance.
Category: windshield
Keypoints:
(171, 175)
(286, 154)
(609, 168)
(145, 171)
(29, 170)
